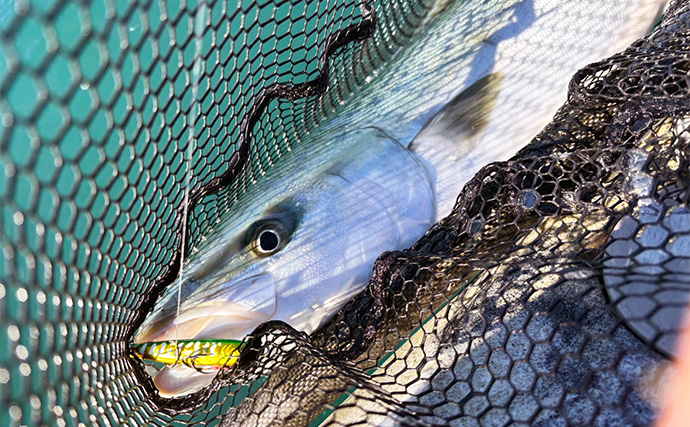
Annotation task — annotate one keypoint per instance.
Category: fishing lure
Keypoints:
(197, 354)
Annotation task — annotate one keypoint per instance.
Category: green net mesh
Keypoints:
(551, 295)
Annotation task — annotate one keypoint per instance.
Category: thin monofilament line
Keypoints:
(196, 75)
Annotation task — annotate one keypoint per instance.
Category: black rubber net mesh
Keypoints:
(552, 294)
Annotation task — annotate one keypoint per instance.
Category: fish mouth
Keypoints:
(229, 310)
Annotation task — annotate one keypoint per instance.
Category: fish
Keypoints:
(474, 84)
(254, 279)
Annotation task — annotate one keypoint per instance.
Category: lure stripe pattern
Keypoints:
(197, 354)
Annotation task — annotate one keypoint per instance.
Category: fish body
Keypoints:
(474, 85)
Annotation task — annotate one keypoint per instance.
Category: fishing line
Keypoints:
(196, 76)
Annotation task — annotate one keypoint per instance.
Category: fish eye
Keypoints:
(267, 237)
(268, 241)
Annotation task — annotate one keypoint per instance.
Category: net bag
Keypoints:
(551, 295)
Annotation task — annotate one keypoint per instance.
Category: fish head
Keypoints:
(226, 286)
(298, 245)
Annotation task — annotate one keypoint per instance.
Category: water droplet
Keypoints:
(25, 369)
(529, 198)
(21, 352)
(13, 332)
(18, 218)
(7, 120)
(22, 295)
(15, 412)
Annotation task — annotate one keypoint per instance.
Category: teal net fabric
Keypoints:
(549, 295)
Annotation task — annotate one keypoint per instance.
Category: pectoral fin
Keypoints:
(462, 119)
(451, 136)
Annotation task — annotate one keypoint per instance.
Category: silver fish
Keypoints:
(475, 84)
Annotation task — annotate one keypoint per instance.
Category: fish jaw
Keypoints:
(228, 310)
(179, 380)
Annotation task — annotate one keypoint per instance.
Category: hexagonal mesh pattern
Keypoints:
(100, 102)
(551, 294)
